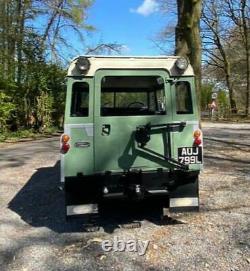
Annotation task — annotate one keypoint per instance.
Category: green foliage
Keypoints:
(223, 104)
(33, 84)
(14, 136)
(6, 106)
(55, 78)
(26, 133)
(44, 109)
(205, 97)
(75, 10)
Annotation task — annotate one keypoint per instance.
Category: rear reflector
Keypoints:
(197, 141)
(197, 137)
(65, 147)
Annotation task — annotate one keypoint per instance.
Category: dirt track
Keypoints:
(35, 236)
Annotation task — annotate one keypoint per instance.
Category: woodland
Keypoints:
(212, 34)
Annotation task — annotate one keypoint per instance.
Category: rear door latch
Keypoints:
(106, 128)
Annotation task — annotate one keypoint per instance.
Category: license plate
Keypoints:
(190, 155)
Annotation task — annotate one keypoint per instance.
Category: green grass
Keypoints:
(26, 133)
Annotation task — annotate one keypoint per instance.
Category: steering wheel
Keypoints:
(106, 104)
(133, 103)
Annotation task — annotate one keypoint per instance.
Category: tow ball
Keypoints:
(135, 191)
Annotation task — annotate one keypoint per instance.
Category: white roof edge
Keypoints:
(123, 56)
(137, 62)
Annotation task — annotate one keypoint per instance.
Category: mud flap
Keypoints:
(80, 199)
(185, 198)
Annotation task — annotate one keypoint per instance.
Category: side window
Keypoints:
(183, 98)
(80, 100)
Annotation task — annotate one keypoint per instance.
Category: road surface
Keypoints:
(35, 236)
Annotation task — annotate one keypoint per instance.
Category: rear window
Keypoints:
(80, 100)
(132, 96)
(183, 98)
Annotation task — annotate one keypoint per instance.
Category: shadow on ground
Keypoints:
(40, 203)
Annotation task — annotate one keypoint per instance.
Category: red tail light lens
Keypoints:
(197, 138)
(64, 143)
(65, 148)
(197, 142)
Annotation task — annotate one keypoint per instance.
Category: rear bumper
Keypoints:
(130, 185)
(176, 190)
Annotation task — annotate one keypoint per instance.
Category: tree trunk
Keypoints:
(188, 41)
(21, 6)
(211, 17)
(245, 26)
(8, 39)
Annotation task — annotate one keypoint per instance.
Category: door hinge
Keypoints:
(170, 81)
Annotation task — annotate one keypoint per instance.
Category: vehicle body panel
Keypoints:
(118, 151)
(132, 156)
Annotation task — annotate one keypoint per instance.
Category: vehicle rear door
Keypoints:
(126, 100)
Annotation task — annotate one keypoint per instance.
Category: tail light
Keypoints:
(197, 138)
(64, 143)
(65, 138)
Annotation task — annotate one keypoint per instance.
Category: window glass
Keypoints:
(80, 100)
(132, 95)
(183, 98)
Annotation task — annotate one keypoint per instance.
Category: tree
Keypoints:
(6, 107)
(205, 96)
(105, 49)
(187, 35)
(62, 16)
(224, 32)
(186, 32)
(215, 36)
(238, 12)
(28, 79)
(22, 8)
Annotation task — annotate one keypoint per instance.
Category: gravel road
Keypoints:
(35, 236)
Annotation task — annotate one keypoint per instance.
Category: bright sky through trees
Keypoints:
(131, 23)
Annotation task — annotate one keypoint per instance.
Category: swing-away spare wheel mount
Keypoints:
(143, 136)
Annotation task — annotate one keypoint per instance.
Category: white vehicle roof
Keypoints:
(129, 62)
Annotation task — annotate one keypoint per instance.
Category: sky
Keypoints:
(132, 23)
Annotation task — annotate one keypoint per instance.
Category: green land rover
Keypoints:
(131, 132)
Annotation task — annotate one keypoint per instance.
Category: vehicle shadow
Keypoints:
(40, 203)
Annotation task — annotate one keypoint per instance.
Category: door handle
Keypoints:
(106, 128)
(82, 144)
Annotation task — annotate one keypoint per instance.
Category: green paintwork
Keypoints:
(79, 159)
(118, 151)
(185, 138)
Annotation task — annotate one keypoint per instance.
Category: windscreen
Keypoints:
(132, 96)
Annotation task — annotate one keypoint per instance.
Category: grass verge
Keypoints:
(23, 134)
